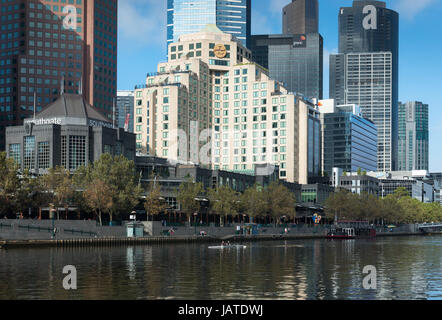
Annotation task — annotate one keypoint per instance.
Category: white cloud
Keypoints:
(143, 21)
(268, 21)
(275, 6)
(410, 8)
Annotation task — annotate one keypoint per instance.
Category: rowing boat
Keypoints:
(228, 247)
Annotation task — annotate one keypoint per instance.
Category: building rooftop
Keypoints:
(71, 106)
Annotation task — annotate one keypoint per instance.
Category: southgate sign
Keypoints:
(62, 121)
(43, 122)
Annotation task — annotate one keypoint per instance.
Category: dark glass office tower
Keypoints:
(300, 17)
(355, 38)
(294, 60)
(349, 140)
(43, 42)
(365, 72)
(190, 16)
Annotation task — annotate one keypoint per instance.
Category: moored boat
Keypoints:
(341, 233)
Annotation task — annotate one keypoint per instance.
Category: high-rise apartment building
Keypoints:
(124, 115)
(300, 17)
(365, 71)
(413, 136)
(43, 42)
(210, 105)
(294, 60)
(367, 79)
(190, 16)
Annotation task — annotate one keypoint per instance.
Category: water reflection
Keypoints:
(408, 268)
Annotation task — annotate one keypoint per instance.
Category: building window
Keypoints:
(43, 155)
(63, 152)
(77, 152)
(29, 153)
(14, 153)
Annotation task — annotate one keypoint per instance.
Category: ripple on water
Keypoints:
(407, 268)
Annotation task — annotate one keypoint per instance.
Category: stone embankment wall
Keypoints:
(43, 230)
(67, 230)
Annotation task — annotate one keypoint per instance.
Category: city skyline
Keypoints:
(413, 21)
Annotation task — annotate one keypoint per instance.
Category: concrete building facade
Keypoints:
(231, 114)
(68, 133)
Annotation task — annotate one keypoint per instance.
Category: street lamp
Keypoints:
(133, 216)
(194, 220)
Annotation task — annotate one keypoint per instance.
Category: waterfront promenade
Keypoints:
(36, 233)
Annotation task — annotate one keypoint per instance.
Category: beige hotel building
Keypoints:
(210, 105)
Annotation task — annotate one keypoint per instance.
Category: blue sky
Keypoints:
(142, 44)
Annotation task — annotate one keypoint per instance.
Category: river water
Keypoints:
(406, 268)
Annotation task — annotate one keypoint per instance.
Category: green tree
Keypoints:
(411, 210)
(224, 201)
(154, 203)
(368, 207)
(9, 183)
(253, 202)
(118, 173)
(60, 188)
(32, 193)
(280, 201)
(342, 205)
(99, 197)
(188, 193)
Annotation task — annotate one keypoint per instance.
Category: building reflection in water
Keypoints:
(407, 268)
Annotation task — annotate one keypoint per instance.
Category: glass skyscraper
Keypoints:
(295, 57)
(349, 140)
(190, 16)
(365, 72)
(413, 136)
(294, 60)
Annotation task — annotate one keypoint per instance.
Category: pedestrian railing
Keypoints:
(80, 232)
(34, 228)
(4, 225)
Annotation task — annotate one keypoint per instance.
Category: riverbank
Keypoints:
(112, 242)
